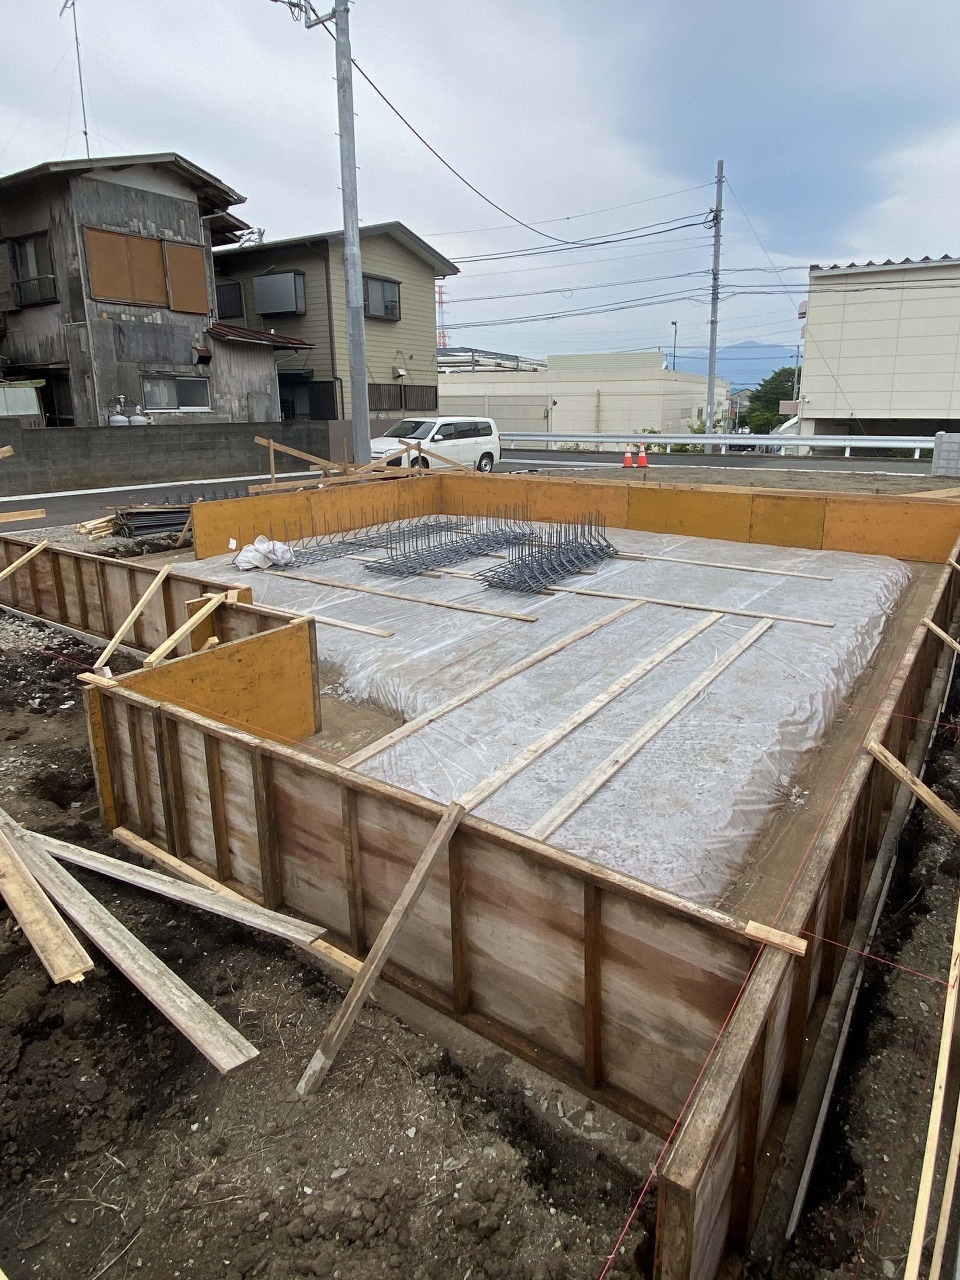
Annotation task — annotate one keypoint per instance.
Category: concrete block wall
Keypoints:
(57, 459)
(946, 454)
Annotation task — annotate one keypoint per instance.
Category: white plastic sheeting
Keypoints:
(683, 812)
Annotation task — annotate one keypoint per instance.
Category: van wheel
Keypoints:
(486, 463)
(420, 462)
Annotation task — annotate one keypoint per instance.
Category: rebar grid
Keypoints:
(424, 545)
(554, 552)
(319, 548)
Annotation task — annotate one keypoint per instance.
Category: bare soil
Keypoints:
(123, 1153)
(762, 478)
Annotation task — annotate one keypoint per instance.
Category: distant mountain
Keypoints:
(744, 364)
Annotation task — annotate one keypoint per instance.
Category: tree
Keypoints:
(764, 412)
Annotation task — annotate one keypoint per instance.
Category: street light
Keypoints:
(674, 323)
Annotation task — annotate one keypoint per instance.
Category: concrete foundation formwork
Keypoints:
(664, 1009)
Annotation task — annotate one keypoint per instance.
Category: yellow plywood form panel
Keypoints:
(697, 512)
(264, 684)
(575, 498)
(477, 495)
(900, 527)
(243, 519)
(788, 520)
(354, 506)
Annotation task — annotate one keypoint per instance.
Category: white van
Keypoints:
(473, 442)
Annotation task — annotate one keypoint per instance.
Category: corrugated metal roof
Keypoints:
(236, 333)
(441, 266)
(889, 264)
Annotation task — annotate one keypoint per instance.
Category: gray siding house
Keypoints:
(107, 291)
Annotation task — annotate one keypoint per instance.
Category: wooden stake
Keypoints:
(428, 717)
(932, 626)
(494, 781)
(919, 1234)
(598, 777)
(337, 1032)
(24, 559)
(719, 564)
(213, 1036)
(687, 604)
(185, 532)
(171, 642)
(919, 789)
(775, 938)
(60, 953)
(399, 595)
(131, 618)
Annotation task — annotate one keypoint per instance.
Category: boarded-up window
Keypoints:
(125, 268)
(187, 276)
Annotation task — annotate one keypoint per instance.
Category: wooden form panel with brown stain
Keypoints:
(96, 593)
(613, 987)
(708, 1202)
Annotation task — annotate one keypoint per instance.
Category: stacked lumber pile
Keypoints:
(102, 527)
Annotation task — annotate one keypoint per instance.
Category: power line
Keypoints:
(574, 288)
(633, 233)
(571, 217)
(605, 309)
(680, 246)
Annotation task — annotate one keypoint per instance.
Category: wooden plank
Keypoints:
(598, 777)
(141, 779)
(494, 781)
(592, 985)
(775, 938)
(460, 959)
(321, 949)
(399, 595)
(720, 564)
(938, 631)
(524, 664)
(212, 1035)
(354, 870)
(337, 1032)
(919, 789)
(8, 517)
(271, 872)
(57, 949)
(6, 451)
(925, 1190)
(686, 604)
(748, 1135)
(946, 1201)
(56, 570)
(230, 906)
(276, 447)
(27, 556)
(131, 618)
(171, 642)
(166, 732)
(218, 812)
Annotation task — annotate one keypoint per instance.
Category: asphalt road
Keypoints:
(72, 507)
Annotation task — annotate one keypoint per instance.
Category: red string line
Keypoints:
(869, 955)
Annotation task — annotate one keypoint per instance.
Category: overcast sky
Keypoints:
(838, 121)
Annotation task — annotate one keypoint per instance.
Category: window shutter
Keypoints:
(186, 272)
(107, 265)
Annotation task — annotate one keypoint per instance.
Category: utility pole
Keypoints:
(714, 305)
(353, 276)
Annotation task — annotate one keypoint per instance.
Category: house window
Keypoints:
(167, 394)
(229, 299)
(419, 398)
(384, 397)
(32, 270)
(146, 271)
(381, 298)
(280, 293)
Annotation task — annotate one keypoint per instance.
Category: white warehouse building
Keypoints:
(620, 393)
(882, 348)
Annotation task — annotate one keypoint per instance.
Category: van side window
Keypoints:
(468, 430)
(484, 429)
(446, 432)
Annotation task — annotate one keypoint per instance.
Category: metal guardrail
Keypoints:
(725, 442)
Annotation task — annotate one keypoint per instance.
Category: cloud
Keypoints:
(917, 214)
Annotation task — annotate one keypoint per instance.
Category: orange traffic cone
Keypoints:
(628, 456)
(642, 455)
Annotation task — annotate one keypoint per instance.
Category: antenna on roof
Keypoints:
(72, 6)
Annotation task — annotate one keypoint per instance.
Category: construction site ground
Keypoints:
(790, 477)
(427, 1153)
(123, 1153)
